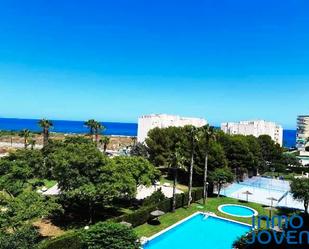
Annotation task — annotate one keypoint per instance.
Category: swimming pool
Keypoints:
(199, 232)
(237, 210)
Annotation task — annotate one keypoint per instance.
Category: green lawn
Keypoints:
(211, 206)
(47, 183)
(181, 187)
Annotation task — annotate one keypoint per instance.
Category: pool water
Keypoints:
(200, 232)
(236, 210)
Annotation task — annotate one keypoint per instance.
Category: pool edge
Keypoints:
(189, 217)
(255, 213)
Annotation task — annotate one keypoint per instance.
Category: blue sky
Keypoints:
(116, 60)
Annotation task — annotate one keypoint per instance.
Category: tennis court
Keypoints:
(261, 190)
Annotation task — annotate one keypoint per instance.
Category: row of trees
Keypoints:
(87, 179)
(95, 129)
(197, 151)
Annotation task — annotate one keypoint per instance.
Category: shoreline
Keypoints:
(14, 141)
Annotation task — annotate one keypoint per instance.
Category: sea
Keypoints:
(112, 128)
(66, 126)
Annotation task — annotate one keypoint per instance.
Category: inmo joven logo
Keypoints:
(288, 229)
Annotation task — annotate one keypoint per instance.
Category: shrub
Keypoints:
(104, 235)
(142, 215)
(155, 198)
(24, 238)
(69, 241)
(139, 217)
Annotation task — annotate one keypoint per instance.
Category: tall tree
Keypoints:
(98, 128)
(104, 141)
(25, 133)
(176, 163)
(220, 176)
(25, 207)
(134, 140)
(91, 123)
(206, 133)
(300, 191)
(192, 138)
(89, 179)
(45, 125)
(32, 143)
(271, 152)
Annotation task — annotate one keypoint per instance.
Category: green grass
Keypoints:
(47, 183)
(181, 187)
(211, 206)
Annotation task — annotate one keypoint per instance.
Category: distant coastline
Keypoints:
(65, 126)
(112, 128)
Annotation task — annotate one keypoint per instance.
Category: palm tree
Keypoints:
(98, 128)
(176, 163)
(45, 125)
(193, 134)
(207, 133)
(32, 142)
(91, 123)
(104, 141)
(134, 139)
(25, 133)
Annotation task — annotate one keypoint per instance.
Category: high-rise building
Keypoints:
(302, 131)
(255, 128)
(148, 122)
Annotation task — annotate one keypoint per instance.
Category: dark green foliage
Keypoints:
(300, 191)
(161, 143)
(17, 168)
(155, 198)
(13, 176)
(290, 160)
(105, 235)
(221, 176)
(142, 215)
(25, 207)
(139, 168)
(269, 149)
(68, 241)
(139, 149)
(137, 218)
(26, 237)
(243, 154)
(32, 159)
(88, 178)
(216, 158)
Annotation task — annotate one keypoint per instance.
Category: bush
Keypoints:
(139, 217)
(104, 235)
(24, 238)
(69, 241)
(142, 215)
(155, 198)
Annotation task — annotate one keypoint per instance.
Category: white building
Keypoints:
(255, 128)
(302, 131)
(148, 122)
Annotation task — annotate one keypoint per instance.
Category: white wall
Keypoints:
(255, 128)
(148, 122)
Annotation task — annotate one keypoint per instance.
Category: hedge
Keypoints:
(142, 215)
(68, 241)
(139, 217)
